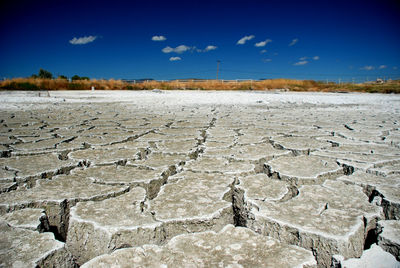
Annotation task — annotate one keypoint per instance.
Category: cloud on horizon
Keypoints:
(263, 43)
(263, 51)
(315, 58)
(303, 62)
(267, 60)
(179, 49)
(367, 68)
(175, 58)
(294, 41)
(82, 40)
(158, 38)
(382, 67)
(244, 39)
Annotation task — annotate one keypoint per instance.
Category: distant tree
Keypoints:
(75, 77)
(62, 77)
(34, 76)
(85, 78)
(45, 74)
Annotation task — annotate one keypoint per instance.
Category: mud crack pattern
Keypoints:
(153, 183)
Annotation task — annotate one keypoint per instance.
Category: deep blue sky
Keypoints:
(335, 39)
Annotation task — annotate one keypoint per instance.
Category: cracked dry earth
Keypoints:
(163, 181)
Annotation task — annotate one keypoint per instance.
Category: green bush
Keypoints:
(45, 74)
(75, 77)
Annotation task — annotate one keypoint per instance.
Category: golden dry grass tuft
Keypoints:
(269, 84)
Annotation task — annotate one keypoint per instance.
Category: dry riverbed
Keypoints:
(206, 179)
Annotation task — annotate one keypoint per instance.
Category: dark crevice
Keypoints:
(238, 204)
(348, 127)
(63, 156)
(57, 235)
(372, 238)
(374, 193)
(347, 169)
(5, 154)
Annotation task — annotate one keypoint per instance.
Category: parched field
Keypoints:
(199, 179)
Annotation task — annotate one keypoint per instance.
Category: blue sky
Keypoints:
(184, 39)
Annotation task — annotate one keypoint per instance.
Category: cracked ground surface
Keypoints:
(202, 179)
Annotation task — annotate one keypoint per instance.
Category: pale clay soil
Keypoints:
(199, 179)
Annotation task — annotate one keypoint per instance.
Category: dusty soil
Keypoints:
(199, 178)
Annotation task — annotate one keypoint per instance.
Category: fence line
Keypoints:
(351, 80)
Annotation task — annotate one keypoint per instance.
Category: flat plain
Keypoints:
(199, 179)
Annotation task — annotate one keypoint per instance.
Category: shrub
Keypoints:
(45, 74)
(75, 77)
(75, 86)
(20, 86)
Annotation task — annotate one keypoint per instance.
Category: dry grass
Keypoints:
(287, 84)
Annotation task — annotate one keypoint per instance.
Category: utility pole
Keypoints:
(218, 62)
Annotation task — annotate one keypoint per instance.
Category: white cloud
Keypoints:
(294, 41)
(82, 40)
(178, 49)
(267, 60)
(208, 48)
(167, 49)
(181, 49)
(174, 58)
(263, 51)
(395, 68)
(303, 58)
(382, 67)
(158, 38)
(367, 68)
(303, 62)
(244, 39)
(315, 58)
(263, 43)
